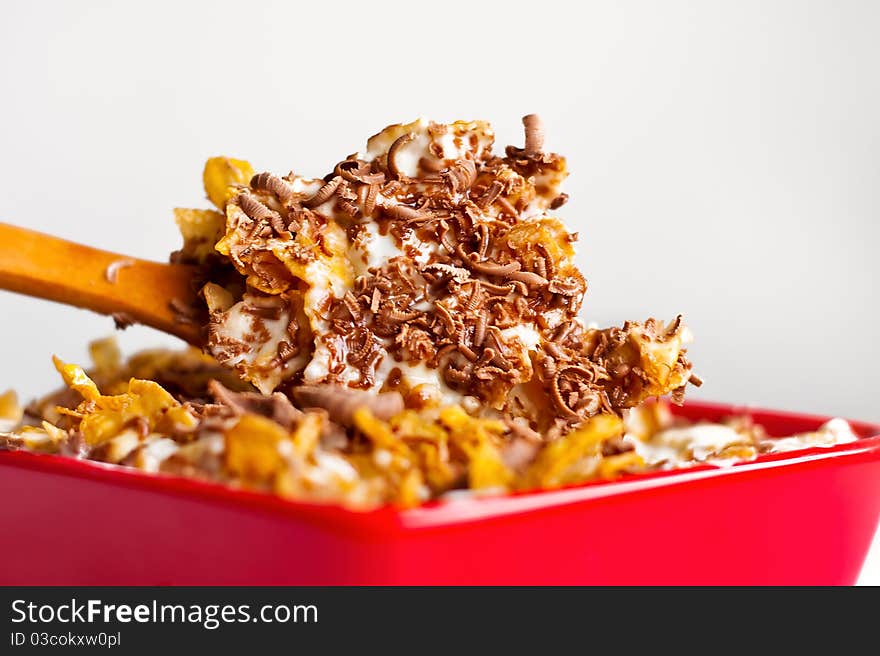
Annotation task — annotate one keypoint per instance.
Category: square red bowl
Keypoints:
(806, 517)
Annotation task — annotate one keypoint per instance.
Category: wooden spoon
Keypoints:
(109, 283)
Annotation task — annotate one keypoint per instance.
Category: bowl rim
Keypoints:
(377, 522)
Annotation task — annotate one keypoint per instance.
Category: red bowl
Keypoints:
(804, 517)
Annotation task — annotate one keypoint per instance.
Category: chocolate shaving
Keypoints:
(446, 317)
(455, 374)
(341, 403)
(475, 300)
(457, 274)
(553, 349)
(559, 201)
(353, 306)
(672, 328)
(349, 168)
(564, 288)
(461, 175)
(547, 368)
(354, 170)
(480, 330)
(369, 200)
(391, 187)
(441, 354)
(534, 134)
(501, 362)
(253, 208)
(491, 194)
(397, 316)
(375, 300)
(286, 352)
(445, 238)
(489, 268)
(541, 267)
(348, 207)
(490, 373)
(261, 214)
(529, 278)
(276, 406)
(271, 313)
(224, 348)
(358, 356)
(563, 331)
(467, 351)
(273, 184)
(506, 207)
(484, 241)
(405, 213)
(510, 288)
(498, 359)
(399, 143)
(323, 194)
(559, 401)
(548, 261)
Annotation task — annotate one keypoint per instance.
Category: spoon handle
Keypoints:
(47, 267)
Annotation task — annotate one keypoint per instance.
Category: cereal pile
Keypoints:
(405, 326)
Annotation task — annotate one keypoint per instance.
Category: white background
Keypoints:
(724, 155)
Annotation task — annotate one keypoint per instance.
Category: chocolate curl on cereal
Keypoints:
(341, 403)
(273, 184)
(276, 406)
(534, 134)
(399, 143)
